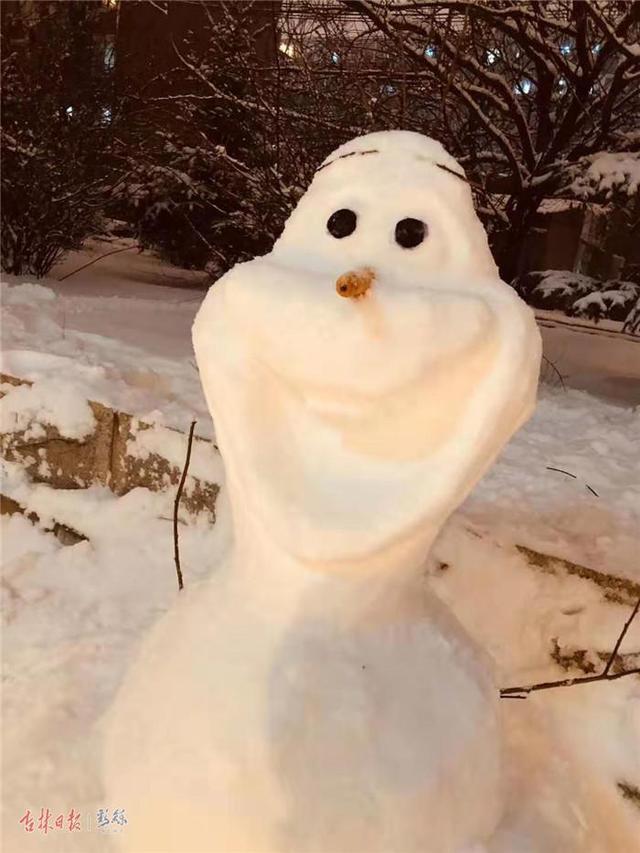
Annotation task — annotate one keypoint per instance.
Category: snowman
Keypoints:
(314, 695)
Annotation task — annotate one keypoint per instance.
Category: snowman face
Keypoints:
(347, 424)
(391, 211)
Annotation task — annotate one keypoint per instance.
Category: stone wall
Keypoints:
(118, 455)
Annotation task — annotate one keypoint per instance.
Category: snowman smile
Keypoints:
(399, 422)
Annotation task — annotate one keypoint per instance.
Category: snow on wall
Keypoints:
(26, 408)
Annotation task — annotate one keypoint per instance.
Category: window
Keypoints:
(109, 54)
(524, 87)
(287, 48)
(430, 51)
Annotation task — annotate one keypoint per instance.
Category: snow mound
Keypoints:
(25, 408)
(609, 172)
(26, 294)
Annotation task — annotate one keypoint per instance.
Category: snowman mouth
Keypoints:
(365, 388)
(402, 422)
(336, 472)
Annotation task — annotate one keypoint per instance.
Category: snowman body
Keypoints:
(348, 717)
(314, 695)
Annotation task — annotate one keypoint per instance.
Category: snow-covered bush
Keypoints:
(554, 289)
(200, 206)
(578, 295)
(205, 187)
(217, 165)
(632, 323)
(608, 175)
(55, 172)
(605, 304)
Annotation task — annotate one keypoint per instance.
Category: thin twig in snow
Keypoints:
(569, 474)
(99, 258)
(523, 692)
(621, 637)
(605, 675)
(176, 506)
(561, 471)
(556, 371)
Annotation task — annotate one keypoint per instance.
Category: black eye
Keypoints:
(342, 223)
(410, 232)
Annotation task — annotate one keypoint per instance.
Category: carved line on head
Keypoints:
(474, 184)
(376, 151)
(452, 172)
(342, 157)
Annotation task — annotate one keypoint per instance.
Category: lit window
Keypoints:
(492, 56)
(524, 87)
(430, 51)
(335, 57)
(109, 56)
(566, 48)
(596, 48)
(287, 48)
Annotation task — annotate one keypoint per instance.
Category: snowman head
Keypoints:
(388, 201)
(365, 373)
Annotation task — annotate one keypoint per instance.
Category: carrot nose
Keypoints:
(356, 283)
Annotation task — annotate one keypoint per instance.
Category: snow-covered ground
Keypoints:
(73, 614)
(117, 337)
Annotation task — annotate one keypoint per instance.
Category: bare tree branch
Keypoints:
(605, 675)
(176, 507)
